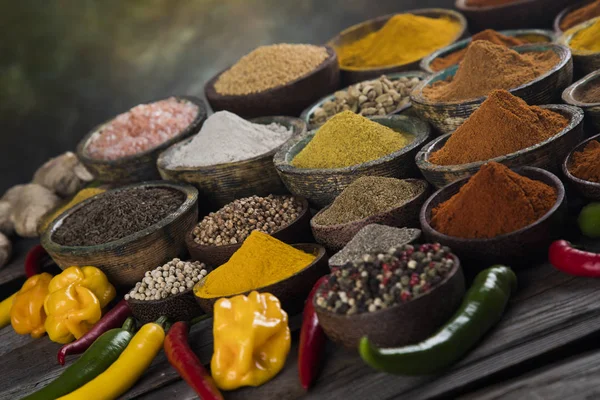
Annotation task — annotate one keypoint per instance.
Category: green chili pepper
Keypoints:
(481, 308)
(96, 359)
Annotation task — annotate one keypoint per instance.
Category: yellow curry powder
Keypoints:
(82, 195)
(587, 39)
(403, 39)
(261, 261)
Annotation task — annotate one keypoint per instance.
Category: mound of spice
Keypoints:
(235, 221)
(349, 139)
(262, 260)
(488, 3)
(494, 201)
(587, 39)
(488, 66)
(580, 15)
(226, 138)
(502, 125)
(586, 164)
(82, 195)
(267, 67)
(142, 128)
(489, 35)
(591, 92)
(117, 214)
(366, 196)
(383, 280)
(403, 39)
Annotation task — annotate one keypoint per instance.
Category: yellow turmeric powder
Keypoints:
(587, 39)
(403, 39)
(261, 261)
(82, 195)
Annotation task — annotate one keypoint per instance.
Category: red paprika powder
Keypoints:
(586, 163)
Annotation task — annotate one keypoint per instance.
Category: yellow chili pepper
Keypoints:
(5, 306)
(89, 277)
(128, 368)
(251, 340)
(27, 313)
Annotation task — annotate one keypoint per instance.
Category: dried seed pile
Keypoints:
(383, 280)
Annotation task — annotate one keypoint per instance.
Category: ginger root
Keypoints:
(6, 203)
(65, 175)
(5, 250)
(33, 203)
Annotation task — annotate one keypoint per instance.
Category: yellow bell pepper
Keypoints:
(251, 340)
(89, 277)
(27, 315)
(5, 306)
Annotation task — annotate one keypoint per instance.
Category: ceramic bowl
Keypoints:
(589, 190)
(138, 167)
(288, 99)
(125, 261)
(565, 12)
(298, 231)
(584, 62)
(291, 291)
(352, 75)
(335, 237)
(447, 116)
(222, 183)
(572, 95)
(321, 186)
(548, 154)
(179, 307)
(514, 249)
(401, 324)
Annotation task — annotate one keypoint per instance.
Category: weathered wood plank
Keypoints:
(10, 340)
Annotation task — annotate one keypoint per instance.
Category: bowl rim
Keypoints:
(191, 198)
(560, 197)
(562, 51)
(568, 95)
(567, 160)
(462, 5)
(568, 35)
(422, 157)
(567, 10)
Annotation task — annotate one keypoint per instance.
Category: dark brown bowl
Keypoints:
(356, 32)
(125, 261)
(547, 155)
(296, 232)
(514, 249)
(589, 190)
(288, 99)
(584, 62)
(572, 95)
(138, 167)
(565, 12)
(292, 291)
(401, 324)
(178, 307)
(335, 237)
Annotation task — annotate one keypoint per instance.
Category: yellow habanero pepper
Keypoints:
(27, 312)
(251, 340)
(5, 306)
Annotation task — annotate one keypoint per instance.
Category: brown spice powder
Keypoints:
(591, 92)
(580, 15)
(586, 163)
(488, 3)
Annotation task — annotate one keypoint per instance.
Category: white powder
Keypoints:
(226, 138)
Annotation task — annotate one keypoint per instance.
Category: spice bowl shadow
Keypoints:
(572, 95)
(335, 237)
(139, 167)
(547, 155)
(584, 62)
(515, 249)
(566, 11)
(401, 324)
(322, 186)
(292, 291)
(297, 231)
(546, 88)
(179, 307)
(589, 190)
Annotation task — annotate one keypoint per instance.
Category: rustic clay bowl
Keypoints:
(352, 75)
(321, 186)
(335, 237)
(298, 231)
(548, 154)
(288, 99)
(138, 167)
(125, 261)
(401, 324)
(179, 307)
(589, 190)
(584, 62)
(565, 12)
(514, 249)
(292, 291)
(447, 116)
(222, 183)
(572, 95)
(531, 35)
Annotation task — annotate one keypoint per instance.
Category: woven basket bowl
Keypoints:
(448, 116)
(572, 95)
(178, 307)
(589, 190)
(138, 167)
(547, 155)
(584, 62)
(565, 12)
(321, 186)
(356, 32)
(125, 261)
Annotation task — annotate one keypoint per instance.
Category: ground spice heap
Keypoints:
(489, 35)
(366, 196)
(488, 66)
(403, 39)
(116, 215)
(502, 125)
(386, 279)
(488, 3)
(349, 139)
(141, 128)
(82, 195)
(580, 15)
(591, 93)
(494, 201)
(267, 67)
(261, 261)
(587, 39)
(586, 163)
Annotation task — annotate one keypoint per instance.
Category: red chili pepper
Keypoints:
(312, 341)
(187, 364)
(34, 260)
(113, 319)
(573, 261)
